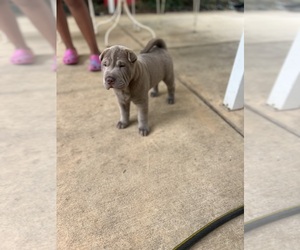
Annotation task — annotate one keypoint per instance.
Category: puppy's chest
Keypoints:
(124, 96)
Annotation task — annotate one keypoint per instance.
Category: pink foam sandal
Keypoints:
(22, 57)
(95, 64)
(70, 57)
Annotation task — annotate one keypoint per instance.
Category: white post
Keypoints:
(111, 6)
(234, 96)
(196, 8)
(286, 90)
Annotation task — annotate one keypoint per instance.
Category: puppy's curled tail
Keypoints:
(158, 42)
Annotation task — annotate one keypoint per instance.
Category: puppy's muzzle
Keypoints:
(110, 81)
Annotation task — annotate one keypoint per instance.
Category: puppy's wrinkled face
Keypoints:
(118, 66)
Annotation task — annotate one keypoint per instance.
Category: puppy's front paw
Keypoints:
(121, 125)
(143, 131)
(171, 100)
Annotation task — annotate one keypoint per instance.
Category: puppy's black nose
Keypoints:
(110, 80)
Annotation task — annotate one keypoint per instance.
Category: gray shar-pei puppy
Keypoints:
(132, 76)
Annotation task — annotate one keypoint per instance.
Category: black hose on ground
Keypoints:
(190, 241)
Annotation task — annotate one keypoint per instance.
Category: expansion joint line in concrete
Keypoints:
(257, 112)
(209, 105)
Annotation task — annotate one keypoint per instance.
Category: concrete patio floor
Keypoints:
(272, 142)
(113, 189)
(118, 190)
(28, 147)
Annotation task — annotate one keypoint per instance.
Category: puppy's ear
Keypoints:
(103, 53)
(131, 56)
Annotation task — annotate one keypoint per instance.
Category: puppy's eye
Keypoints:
(121, 65)
(105, 63)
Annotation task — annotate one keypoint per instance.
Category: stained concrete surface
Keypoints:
(28, 185)
(118, 190)
(209, 78)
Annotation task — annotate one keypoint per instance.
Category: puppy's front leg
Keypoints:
(124, 114)
(143, 118)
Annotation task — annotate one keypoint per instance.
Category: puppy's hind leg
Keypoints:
(169, 81)
(154, 91)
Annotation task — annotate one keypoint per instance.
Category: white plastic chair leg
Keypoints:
(234, 96)
(117, 16)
